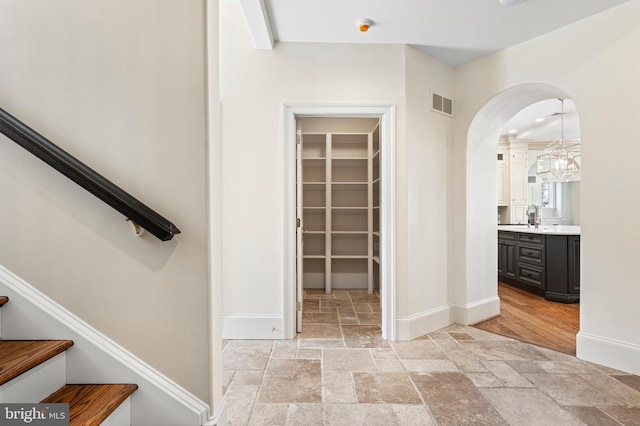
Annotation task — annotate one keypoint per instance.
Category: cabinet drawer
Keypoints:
(506, 235)
(531, 238)
(531, 275)
(530, 253)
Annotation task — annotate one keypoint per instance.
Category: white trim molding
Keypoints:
(475, 312)
(608, 352)
(257, 16)
(248, 327)
(387, 115)
(220, 418)
(423, 323)
(94, 358)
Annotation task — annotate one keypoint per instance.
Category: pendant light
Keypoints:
(560, 162)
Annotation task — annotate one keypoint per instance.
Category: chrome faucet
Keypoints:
(535, 211)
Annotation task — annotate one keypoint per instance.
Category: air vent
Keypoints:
(441, 104)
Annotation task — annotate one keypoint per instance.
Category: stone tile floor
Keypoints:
(340, 372)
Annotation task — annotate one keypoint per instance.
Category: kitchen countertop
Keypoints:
(543, 229)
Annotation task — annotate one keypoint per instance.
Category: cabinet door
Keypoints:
(519, 180)
(509, 261)
(574, 264)
(503, 185)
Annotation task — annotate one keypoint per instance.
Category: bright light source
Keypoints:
(539, 120)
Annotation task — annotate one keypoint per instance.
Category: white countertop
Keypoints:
(542, 229)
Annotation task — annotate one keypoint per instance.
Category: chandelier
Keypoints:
(560, 162)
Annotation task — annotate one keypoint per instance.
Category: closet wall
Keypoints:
(341, 186)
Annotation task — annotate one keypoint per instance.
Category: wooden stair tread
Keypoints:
(19, 356)
(91, 404)
(3, 300)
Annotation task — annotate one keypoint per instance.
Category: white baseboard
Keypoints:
(608, 352)
(94, 358)
(220, 418)
(253, 327)
(408, 328)
(475, 312)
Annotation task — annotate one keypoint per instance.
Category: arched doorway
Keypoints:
(479, 239)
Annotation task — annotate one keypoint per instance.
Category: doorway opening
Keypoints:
(338, 244)
(340, 196)
(538, 261)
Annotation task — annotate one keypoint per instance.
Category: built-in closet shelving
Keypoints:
(341, 204)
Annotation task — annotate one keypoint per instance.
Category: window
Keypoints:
(552, 196)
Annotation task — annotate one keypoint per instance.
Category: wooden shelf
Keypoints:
(350, 232)
(337, 174)
(349, 183)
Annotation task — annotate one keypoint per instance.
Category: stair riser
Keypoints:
(37, 383)
(121, 416)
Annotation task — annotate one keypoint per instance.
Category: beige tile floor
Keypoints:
(340, 372)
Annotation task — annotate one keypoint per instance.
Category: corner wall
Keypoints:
(591, 62)
(121, 86)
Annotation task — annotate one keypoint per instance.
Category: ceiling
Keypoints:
(453, 31)
(541, 121)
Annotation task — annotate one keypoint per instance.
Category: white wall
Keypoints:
(590, 62)
(254, 86)
(423, 184)
(121, 86)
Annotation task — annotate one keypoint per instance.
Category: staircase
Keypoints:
(34, 371)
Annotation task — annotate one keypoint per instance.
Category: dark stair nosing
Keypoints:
(19, 356)
(91, 404)
(3, 300)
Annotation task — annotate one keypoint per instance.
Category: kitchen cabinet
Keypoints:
(518, 182)
(503, 179)
(506, 255)
(544, 264)
(563, 269)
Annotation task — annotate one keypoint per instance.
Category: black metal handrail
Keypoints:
(86, 177)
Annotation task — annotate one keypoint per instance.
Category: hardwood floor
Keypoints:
(529, 318)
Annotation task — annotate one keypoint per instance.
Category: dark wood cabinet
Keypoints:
(548, 265)
(506, 255)
(574, 264)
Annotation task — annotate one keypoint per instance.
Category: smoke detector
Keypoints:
(364, 24)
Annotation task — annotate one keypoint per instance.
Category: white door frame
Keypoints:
(387, 115)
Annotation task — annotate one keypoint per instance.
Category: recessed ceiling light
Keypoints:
(539, 120)
(513, 131)
(510, 2)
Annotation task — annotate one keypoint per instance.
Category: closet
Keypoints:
(340, 203)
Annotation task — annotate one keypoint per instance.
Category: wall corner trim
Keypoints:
(423, 323)
(611, 353)
(475, 312)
